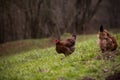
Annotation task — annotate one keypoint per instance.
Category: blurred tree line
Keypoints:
(25, 19)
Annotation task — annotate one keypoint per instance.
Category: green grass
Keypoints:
(46, 64)
(20, 46)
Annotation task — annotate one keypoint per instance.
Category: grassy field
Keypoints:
(35, 62)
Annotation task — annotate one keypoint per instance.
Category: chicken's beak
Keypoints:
(54, 41)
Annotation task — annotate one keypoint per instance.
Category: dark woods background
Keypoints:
(24, 19)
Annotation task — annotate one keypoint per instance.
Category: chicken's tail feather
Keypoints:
(74, 35)
(101, 28)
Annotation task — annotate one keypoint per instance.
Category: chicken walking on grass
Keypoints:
(106, 41)
(67, 46)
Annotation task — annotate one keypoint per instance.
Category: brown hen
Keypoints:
(67, 46)
(106, 41)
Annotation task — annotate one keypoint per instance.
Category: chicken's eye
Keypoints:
(56, 41)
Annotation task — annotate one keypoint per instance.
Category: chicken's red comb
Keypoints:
(56, 41)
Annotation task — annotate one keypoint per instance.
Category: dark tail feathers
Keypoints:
(74, 35)
(101, 28)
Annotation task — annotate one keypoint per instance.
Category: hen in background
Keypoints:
(106, 41)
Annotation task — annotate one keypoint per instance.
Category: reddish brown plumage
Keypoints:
(106, 41)
(67, 46)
